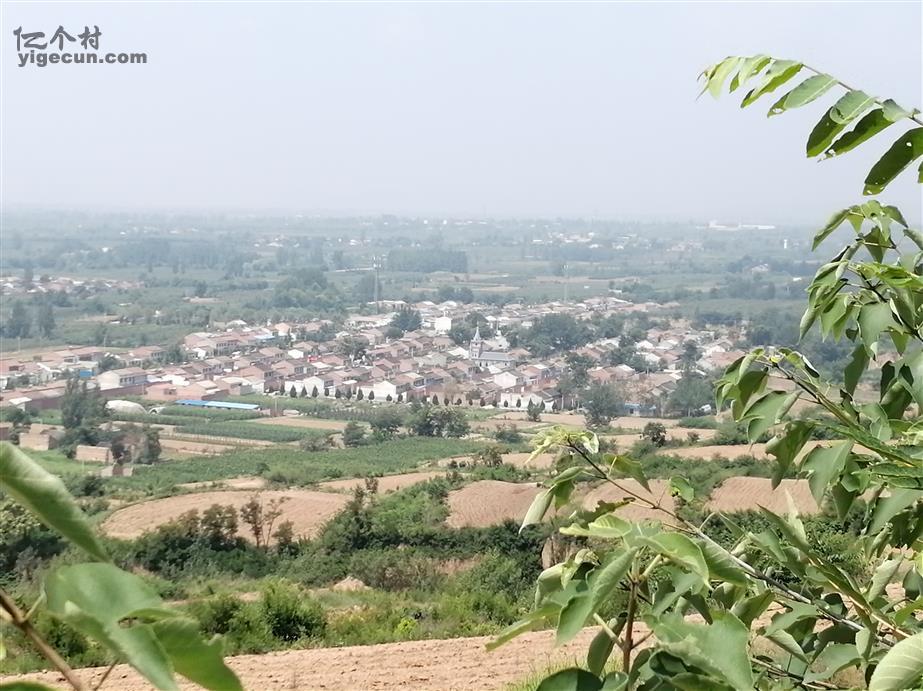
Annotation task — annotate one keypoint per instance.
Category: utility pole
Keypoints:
(377, 261)
(565, 267)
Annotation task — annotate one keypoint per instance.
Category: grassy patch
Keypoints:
(249, 430)
(296, 467)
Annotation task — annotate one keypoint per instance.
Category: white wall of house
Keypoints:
(506, 380)
(442, 325)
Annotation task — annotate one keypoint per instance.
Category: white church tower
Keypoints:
(476, 346)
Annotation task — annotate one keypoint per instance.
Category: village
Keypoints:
(361, 361)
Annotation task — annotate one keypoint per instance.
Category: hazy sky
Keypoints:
(465, 109)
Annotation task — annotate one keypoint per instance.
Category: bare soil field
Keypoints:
(624, 442)
(307, 422)
(493, 424)
(660, 494)
(488, 502)
(729, 451)
(457, 460)
(306, 509)
(632, 422)
(749, 493)
(520, 460)
(682, 433)
(182, 447)
(387, 483)
(566, 419)
(251, 483)
(732, 451)
(460, 664)
(216, 439)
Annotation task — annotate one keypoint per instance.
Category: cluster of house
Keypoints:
(18, 285)
(313, 359)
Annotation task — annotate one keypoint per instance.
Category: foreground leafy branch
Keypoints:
(829, 137)
(112, 607)
(772, 611)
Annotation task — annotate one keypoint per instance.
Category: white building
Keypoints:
(442, 324)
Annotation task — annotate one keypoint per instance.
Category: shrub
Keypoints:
(491, 457)
(389, 569)
(508, 434)
(290, 614)
(353, 435)
(655, 433)
(87, 486)
(386, 423)
(216, 614)
(730, 433)
(703, 422)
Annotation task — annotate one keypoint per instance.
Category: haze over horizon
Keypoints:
(497, 110)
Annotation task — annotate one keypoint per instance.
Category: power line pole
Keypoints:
(565, 267)
(377, 264)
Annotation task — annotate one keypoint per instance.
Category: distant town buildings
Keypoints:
(309, 359)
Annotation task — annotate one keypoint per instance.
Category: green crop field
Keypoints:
(292, 466)
(248, 430)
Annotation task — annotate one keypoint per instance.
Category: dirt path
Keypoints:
(460, 664)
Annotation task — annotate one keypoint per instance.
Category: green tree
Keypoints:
(108, 362)
(579, 365)
(364, 290)
(260, 518)
(100, 334)
(436, 421)
(386, 422)
(556, 333)
(19, 324)
(82, 412)
(602, 402)
(461, 333)
(352, 347)
(690, 355)
(655, 433)
(174, 354)
(490, 457)
(566, 391)
(45, 319)
(353, 434)
(149, 448)
(778, 585)
(692, 394)
(406, 319)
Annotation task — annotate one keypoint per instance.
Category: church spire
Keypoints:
(475, 348)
